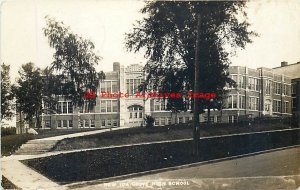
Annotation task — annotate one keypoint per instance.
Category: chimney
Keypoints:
(116, 66)
(284, 63)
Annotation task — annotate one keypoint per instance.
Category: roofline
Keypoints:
(287, 65)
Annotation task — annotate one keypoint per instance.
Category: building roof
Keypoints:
(291, 70)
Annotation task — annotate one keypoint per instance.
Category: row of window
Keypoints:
(213, 119)
(61, 107)
(109, 86)
(133, 85)
(60, 124)
(86, 123)
(109, 106)
(277, 106)
(239, 101)
(254, 84)
(136, 112)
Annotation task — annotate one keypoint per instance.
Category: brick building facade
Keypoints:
(260, 92)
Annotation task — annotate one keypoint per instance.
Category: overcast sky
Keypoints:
(104, 22)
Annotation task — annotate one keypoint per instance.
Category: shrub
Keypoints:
(149, 121)
(5, 131)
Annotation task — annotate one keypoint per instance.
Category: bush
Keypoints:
(5, 131)
(149, 121)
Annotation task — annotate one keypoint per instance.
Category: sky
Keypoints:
(105, 22)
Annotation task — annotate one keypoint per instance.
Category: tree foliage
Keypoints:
(74, 59)
(6, 96)
(168, 33)
(29, 92)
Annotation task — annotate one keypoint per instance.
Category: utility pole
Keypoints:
(197, 88)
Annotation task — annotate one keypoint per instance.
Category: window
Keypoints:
(114, 86)
(277, 88)
(187, 119)
(234, 78)
(132, 85)
(47, 124)
(268, 87)
(276, 106)
(251, 83)
(114, 106)
(64, 107)
(108, 86)
(162, 121)
(70, 107)
(284, 89)
(294, 102)
(92, 123)
(169, 121)
(115, 123)
(205, 118)
(180, 119)
(285, 107)
(253, 103)
(242, 102)
(160, 104)
(257, 85)
(70, 123)
(109, 106)
(219, 119)
(232, 119)
(102, 84)
(294, 88)
(232, 101)
(59, 107)
(103, 105)
(86, 123)
(156, 122)
(212, 119)
(102, 123)
(65, 123)
(242, 82)
(58, 123)
(109, 123)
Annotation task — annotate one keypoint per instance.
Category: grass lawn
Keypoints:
(10, 143)
(44, 133)
(6, 184)
(141, 135)
(110, 162)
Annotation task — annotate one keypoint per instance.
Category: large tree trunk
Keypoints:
(196, 123)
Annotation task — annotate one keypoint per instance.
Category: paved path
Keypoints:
(273, 170)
